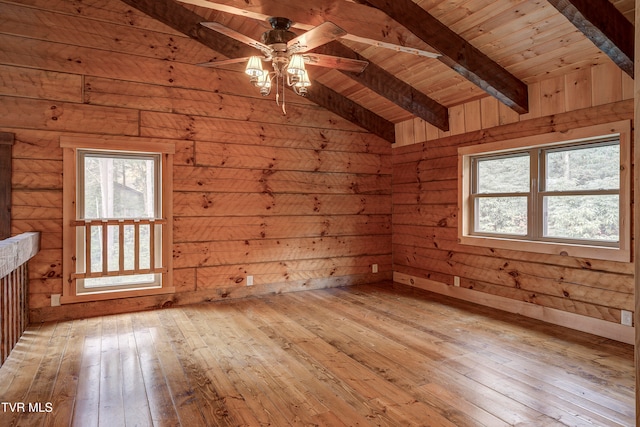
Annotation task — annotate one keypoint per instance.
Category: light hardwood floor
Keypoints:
(363, 355)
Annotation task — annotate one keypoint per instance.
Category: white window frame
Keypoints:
(620, 251)
(74, 149)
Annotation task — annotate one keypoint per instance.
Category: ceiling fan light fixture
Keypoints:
(254, 67)
(263, 82)
(301, 85)
(288, 54)
(296, 65)
(304, 80)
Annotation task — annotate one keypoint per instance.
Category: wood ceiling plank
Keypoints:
(605, 26)
(510, 19)
(187, 22)
(505, 41)
(561, 62)
(458, 54)
(476, 12)
(522, 53)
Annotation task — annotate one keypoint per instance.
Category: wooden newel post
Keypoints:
(6, 143)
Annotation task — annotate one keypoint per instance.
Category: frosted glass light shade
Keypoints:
(296, 65)
(304, 80)
(264, 80)
(254, 67)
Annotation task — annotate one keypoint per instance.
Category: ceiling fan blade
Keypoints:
(392, 46)
(266, 50)
(337, 62)
(317, 36)
(222, 62)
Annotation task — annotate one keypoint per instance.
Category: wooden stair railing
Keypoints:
(15, 252)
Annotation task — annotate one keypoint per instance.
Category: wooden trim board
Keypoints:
(6, 143)
(578, 322)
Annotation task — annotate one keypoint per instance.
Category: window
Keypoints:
(556, 193)
(117, 219)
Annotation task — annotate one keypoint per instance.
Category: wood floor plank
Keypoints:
(367, 355)
(19, 368)
(87, 402)
(527, 356)
(335, 394)
(395, 362)
(111, 405)
(185, 340)
(160, 403)
(232, 404)
(177, 379)
(430, 351)
(538, 350)
(384, 396)
(313, 352)
(134, 395)
(228, 350)
(66, 385)
(269, 367)
(40, 392)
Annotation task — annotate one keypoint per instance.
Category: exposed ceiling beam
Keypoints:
(602, 23)
(457, 53)
(349, 110)
(392, 88)
(187, 22)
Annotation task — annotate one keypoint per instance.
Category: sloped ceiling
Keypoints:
(486, 48)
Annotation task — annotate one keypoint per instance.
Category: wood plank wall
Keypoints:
(425, 201)
(298, 201)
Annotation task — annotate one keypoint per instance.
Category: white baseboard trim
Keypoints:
(602, 328)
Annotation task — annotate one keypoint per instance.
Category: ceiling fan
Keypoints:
(287, 52)
(228, 7)
(279, 43)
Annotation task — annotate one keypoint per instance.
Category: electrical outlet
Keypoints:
(374, 268)
(626, 318)
(55, 300)
(249, 280)
(456, 280)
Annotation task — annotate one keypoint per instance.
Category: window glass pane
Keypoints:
(501, 215)
(595, 167)
(145, 247)
(503, 174)
(95, 261)
(593, 217)
(115, 282)
(118, 192)
(113, 246)
(119, 187)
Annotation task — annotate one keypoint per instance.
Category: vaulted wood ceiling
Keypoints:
(486, 47)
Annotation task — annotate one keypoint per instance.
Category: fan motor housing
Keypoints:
(280, 35)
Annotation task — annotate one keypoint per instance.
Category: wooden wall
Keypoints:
(297, 201)
(425, 246)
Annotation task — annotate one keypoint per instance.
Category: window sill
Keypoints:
(575, 251)
(103, 296)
